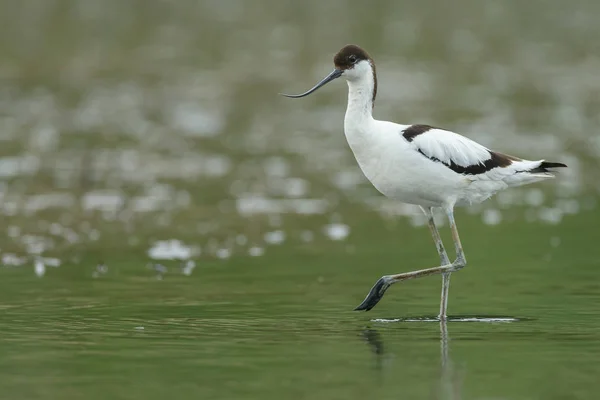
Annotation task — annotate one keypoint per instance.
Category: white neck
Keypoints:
(358, 122)
(360, 98)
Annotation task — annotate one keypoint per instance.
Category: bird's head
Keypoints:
(351, 63)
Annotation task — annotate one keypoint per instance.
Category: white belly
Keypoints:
(399, 172)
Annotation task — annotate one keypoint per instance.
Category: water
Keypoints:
(281, 325)
(172, 227)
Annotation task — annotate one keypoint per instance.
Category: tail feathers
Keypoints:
(543, 167)
(526, 172)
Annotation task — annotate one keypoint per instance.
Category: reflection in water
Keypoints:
(449, 382)
(373, 338)
(444, 343)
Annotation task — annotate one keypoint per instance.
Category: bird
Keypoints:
(422, 165)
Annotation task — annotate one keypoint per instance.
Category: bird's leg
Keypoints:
(444, 260)
(460, 255)
(460, 261)
(378, 290)
(439, 245)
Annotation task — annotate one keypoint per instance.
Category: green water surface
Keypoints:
(281, 326)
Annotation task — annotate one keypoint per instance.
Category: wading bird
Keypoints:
(422, 165)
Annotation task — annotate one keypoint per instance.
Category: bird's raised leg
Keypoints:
(460, 255)
(378, 290)
(444, 260)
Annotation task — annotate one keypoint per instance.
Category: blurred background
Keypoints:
(173, 226)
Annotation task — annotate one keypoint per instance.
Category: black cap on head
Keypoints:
(345, 59)
(348, 56)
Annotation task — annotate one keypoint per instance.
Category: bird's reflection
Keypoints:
(449, 384)
(375, 342)
(444, 343)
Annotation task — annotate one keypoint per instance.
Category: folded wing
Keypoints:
(467, 157)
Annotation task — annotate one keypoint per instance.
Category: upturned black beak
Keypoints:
(336, 73)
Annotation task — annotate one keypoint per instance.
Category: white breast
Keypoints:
(395, 169)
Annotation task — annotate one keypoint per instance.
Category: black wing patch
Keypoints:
(413, 131)
(496, 160)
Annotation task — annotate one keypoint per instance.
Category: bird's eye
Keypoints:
(352, 58)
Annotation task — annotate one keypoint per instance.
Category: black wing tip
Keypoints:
(552, 165)
(543, 168)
